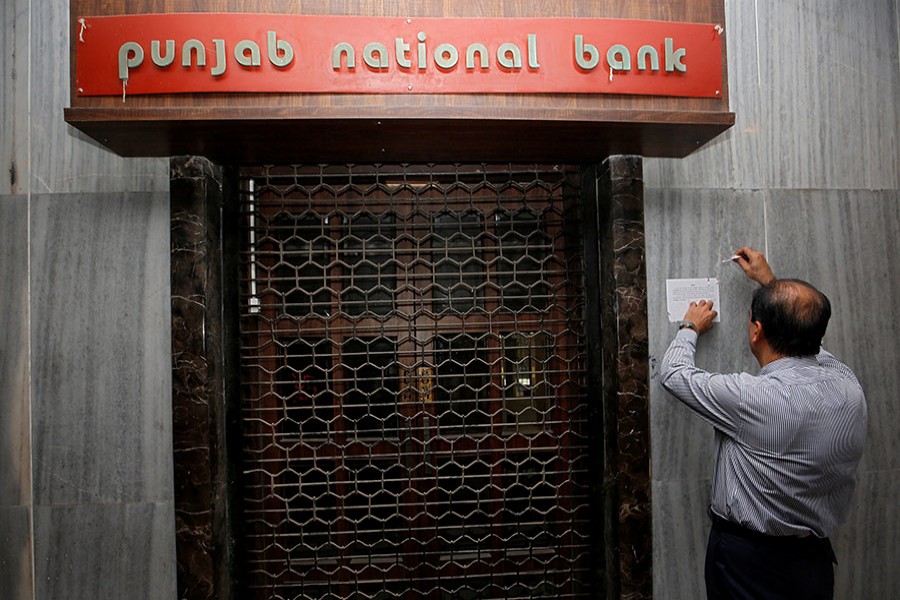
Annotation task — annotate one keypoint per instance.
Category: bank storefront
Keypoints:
(408, 286)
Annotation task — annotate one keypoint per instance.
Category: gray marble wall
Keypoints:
(811, 174)
(15, 434)
(86, 506)
(16, 577)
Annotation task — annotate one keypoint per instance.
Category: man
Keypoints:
(788, 441)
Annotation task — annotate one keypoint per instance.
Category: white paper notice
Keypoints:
(681, 292)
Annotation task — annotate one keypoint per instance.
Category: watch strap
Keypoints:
(687, 325)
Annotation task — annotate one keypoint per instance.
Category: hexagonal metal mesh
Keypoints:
(413, 383)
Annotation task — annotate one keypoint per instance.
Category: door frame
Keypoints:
(204, 215)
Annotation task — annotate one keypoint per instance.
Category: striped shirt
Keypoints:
(788, 440)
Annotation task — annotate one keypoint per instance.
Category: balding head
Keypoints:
(793, 314)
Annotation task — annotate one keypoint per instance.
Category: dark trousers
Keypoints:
(746, 565)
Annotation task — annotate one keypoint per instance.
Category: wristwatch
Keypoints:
(688, 324)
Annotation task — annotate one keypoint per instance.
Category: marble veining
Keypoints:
(733, 159)
(101, 378)
(89, 551)
(15, 430)
(872, 528)
(16, 577)
(197, 374)
(14, 97)
(623, 291)
(813, 87)
(680, 531)
(62, 158)
(829, 93)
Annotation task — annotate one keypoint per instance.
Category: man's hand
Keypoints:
(754, 265)
(701, 314)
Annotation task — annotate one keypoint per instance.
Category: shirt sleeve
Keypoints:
(714, 397)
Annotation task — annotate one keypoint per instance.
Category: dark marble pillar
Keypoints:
(625, 377)
(198, 379)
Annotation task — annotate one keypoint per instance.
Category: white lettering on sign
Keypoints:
(193, 54)
(377, 56)
(445, 56)
(618, 56)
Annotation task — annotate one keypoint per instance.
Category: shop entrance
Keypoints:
(413, 383)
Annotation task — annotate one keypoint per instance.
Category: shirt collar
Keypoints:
(789, 362)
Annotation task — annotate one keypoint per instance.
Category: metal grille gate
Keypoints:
(413, 383)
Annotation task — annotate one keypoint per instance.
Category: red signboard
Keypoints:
(271, 53)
